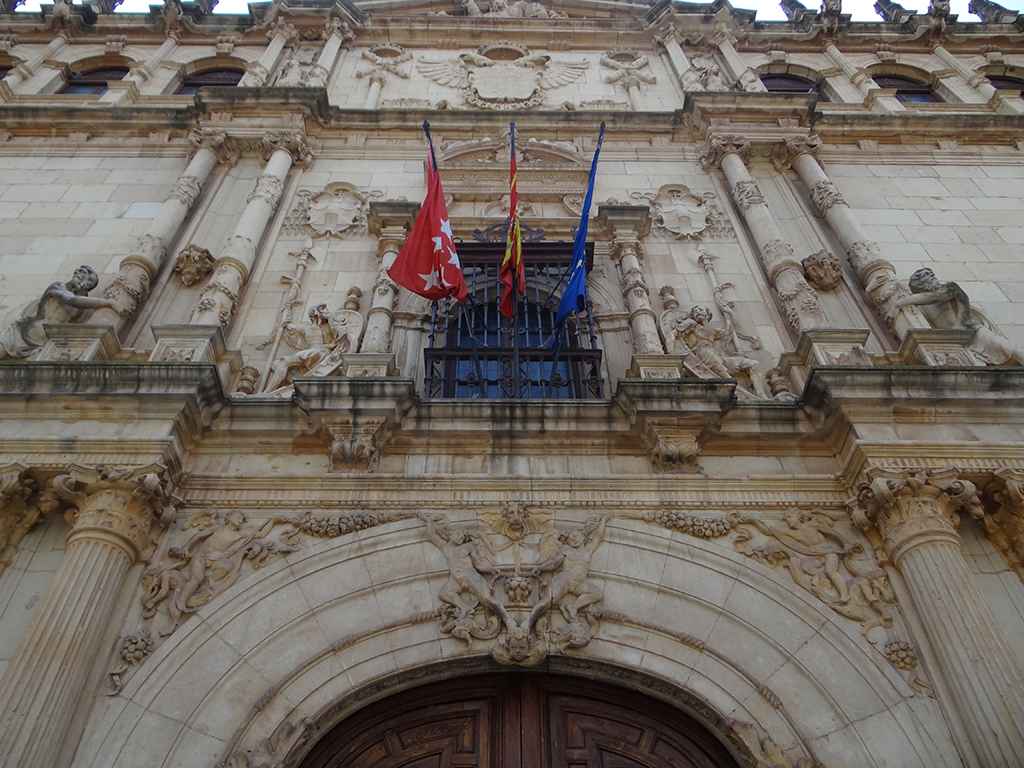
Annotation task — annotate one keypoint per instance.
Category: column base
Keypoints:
(71, 342)
(936, 347)
(368, 365)
(655, 367)
(181, 343)
(821, 348)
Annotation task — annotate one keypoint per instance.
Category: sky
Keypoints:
(767, 10)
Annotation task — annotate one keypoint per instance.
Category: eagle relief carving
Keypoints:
(502, 76)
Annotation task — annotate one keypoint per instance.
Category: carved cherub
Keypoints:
(947, 306)
(339, 333)
(61, 302)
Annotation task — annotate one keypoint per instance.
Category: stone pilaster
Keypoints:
(627, 225)
(336, 34)
(26, 69)
(877, 276)
(746, 77)
(390, 222)
(684, 71)
(797, 299)
(219, 298)
(916, 514)
(258, 72)
(858, 77)
(135, 274)
(141, 73)
(112, 512)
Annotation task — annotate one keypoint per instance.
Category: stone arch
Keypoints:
(205, 64)
(277, 651)
(101, 61)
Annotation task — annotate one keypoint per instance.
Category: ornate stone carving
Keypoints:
(340, 208)
(390, 59)
(193, 264)
(523, 607)
(268, 188)
(61, 302)
(248, 380)
(503, 9)
(1005, 527)
(186, 189)
(716, 147)
(292, 142)
(183, 578)
(133, 651)
(778, 385)
(677, 211)
(515, 78)
(17, 515)
(672, 448)
(709, 352)
(630, 70)
(948, 307)
(339, 333)
(357, 444)
(299, 73)
(767, 753)
(226, 149)
(823, 270)
(709, 74)
(747, 194)
(825, 194)
(332, 526)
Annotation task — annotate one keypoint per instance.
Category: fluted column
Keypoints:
(876, 275)
(798, 300)
(627, 224)
(27, 69)
(916, 515)
(258, 72)
(219, 298)
(112, 515)
(688, 77)
(136, 272)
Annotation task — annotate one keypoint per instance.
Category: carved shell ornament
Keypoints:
(502, 76)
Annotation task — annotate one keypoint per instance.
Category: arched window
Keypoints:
(223, 77)
(788, 84)
(475, 353)
(908, 91)
(1006, 83)
(94, 81)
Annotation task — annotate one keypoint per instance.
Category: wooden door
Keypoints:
(519, 721)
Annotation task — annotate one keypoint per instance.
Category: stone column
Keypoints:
(876, 275)
(141, 73)
(258, 72)
(135, 274)
(26, 69)
(738, 69)
(688, 77)
(798, 300)
(217, 302)
(390, 222)
(858, 77)
(376, 79)
(914, 517)
(627, 224)
(40, 690)
(337, 34)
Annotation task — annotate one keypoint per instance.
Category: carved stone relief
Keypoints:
(630, 70)
(503, 9)
(388, 59)
(193, 265)
(301, 71)
(518, 584)
(502, 76)
(823, 270)
(339, 333)
(677, 212)
(338, 210)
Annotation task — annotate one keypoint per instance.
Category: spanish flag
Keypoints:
(512, 274)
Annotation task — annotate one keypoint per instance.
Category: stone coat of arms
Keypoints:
(502, 77)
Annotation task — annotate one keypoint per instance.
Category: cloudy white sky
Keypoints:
(767, 10)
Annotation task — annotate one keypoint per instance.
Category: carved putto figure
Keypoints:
(514, 78)
(706, 350)
(61, 302)
(947, 306)
(339, 333)
(497, 592)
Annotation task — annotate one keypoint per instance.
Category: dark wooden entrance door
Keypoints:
(519, 721)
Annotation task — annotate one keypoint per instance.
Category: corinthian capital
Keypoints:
(116, 504)
(717, 147)
(914, 507)
(217, 142)
(294, 143)
(785, 152)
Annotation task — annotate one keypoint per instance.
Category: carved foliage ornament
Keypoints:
(503, 76)
(193, 265)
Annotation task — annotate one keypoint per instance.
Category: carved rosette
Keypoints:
(747, 194)
(914, 507)
(116, 505)
(717, 147)
(825, 194)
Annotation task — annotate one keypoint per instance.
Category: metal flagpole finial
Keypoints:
(430, 142)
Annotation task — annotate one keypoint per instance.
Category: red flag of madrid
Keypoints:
(428, 263)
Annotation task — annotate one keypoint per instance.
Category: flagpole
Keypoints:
(515, 277)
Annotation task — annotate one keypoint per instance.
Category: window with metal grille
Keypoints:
(94, 81)
(475, 353)
(908, 91)
(224, 78)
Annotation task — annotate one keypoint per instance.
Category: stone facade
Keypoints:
(231, 511)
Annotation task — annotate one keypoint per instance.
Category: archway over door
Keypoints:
(519, 720)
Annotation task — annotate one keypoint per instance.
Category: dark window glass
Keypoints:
(94, 81)
(224, 78)
(475, 353)
(908, 91)
(1006, 83)
(788, 84)
(4, 69)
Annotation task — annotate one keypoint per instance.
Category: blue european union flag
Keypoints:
(575, 297)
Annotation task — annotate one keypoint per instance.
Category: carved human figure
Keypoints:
(571, 563)
(947, 306)
(61, 302)
(693, 334)
(338, 333)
